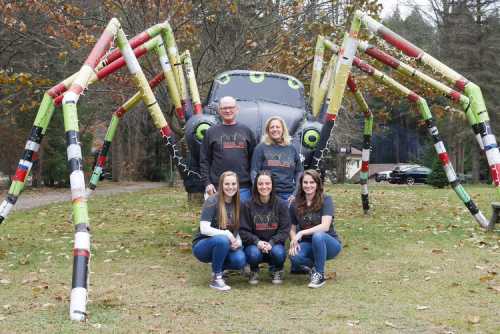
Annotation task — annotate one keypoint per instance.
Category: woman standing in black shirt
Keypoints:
(313, 239)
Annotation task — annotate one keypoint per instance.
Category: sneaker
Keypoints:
(277, 277)
(218, 283)
(317, 280)
(246, 271)
(253, 278)
(301, 270)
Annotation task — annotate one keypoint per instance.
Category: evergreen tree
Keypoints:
(437, 178)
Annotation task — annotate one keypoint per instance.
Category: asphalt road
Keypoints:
(32, 198)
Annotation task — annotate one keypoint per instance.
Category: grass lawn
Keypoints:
(417, 264)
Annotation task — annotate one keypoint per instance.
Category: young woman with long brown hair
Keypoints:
(265, 225)
(313, 238)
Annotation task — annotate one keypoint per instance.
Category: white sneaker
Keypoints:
(218, 283)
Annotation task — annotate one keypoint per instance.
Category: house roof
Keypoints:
(355, 151)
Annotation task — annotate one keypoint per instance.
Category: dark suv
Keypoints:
(409, 174)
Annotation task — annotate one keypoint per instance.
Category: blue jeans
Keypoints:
(217, 250)
(315, 253)
(245, 194)
(276, 258)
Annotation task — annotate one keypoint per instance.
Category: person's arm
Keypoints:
(294, 242)
(205, 159)
(326, 220)
(246, 231)
(299, 169)
(252, 143)
(283, 227)
(208, 214)
(238, 242)
(257, 162)
(207, 229)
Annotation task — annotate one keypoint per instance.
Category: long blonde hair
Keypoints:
(222, 214)
(266, 139)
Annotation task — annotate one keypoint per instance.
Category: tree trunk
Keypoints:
(37, 169)
(116, 157)
(461, 157)
(476, 156)
(341, 170)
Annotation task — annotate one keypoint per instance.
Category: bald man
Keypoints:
(227, 146)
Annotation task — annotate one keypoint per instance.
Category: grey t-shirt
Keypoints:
(209, 212)
(283, 162)
(313, 218)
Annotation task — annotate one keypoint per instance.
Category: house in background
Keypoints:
(352, 163)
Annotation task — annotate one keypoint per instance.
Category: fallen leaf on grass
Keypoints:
(495, 288)
(422, 307)
(390, 324)
(332, 276)
(4, 281)
(353, 323)
(185, 247)
(6, 306)
(437, 251)
(486, 278)
(2, 318)
(473, 319)
(48, 305)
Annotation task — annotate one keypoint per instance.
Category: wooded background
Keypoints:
(43, 42)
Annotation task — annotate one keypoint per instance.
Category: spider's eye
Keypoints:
(200, 130)
(310, 139)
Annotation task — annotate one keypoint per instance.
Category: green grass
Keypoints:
(417, 264)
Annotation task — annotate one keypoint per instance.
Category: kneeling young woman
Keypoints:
(313, 238)
(218, 240)
(264, 228)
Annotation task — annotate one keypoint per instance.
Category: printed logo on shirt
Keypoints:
(264, 222)
(310, 220)
(274, 159)
(235, 141)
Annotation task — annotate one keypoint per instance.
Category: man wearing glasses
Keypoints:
(227, 146)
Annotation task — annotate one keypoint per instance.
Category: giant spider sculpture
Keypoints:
(260, 95)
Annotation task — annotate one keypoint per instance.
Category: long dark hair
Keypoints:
(300, 199)
(222, 214)
(255, 193)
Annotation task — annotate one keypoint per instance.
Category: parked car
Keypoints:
(383, 176)
(409, 174)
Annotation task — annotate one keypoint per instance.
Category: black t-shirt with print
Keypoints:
(264, 222)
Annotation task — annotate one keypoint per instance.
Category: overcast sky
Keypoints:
(405, 6)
